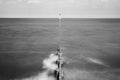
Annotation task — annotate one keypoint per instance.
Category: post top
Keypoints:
(60, 16)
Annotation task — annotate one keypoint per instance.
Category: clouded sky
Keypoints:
(68, 8)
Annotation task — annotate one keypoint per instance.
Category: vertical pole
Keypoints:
(59, 31)
(59, 46)
(60, 52)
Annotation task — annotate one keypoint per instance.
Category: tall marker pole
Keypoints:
(59, 31)
(60, 59)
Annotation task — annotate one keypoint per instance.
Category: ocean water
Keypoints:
(90, 45)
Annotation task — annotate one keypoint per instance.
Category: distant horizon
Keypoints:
(64, 17)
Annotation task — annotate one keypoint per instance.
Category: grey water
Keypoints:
(25, 42)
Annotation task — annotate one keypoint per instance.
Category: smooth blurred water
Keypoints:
(24, 43)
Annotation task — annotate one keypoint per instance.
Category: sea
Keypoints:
(91, 47)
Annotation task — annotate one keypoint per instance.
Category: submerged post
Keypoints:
(60, 62)
(60, 30)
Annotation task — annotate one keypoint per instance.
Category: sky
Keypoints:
(68, 8)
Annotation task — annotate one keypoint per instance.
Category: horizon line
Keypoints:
(68, 17)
